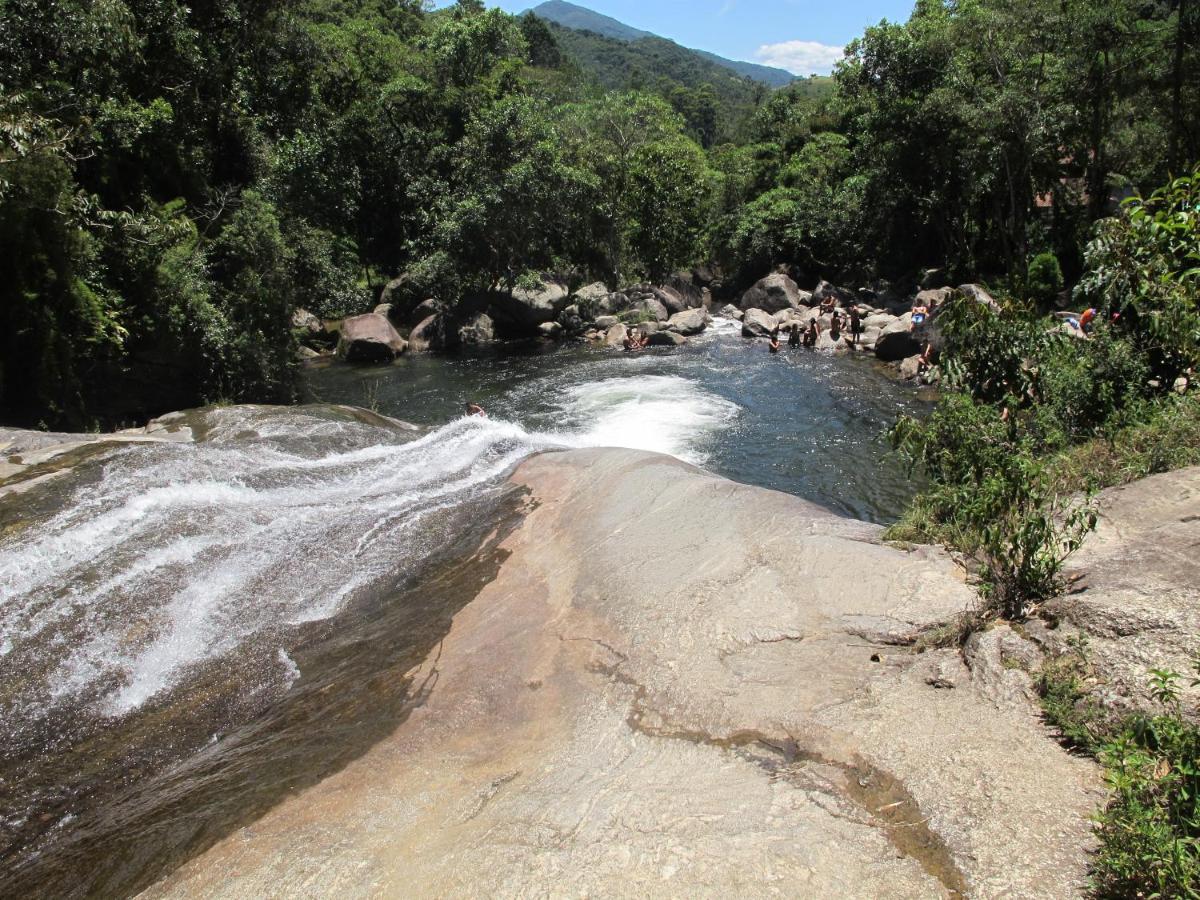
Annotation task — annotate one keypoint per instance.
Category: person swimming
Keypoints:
(812, 334)
(474, 409)
(794, 335)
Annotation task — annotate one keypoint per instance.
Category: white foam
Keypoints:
(660, 413)
(180, 554)
(291, 671)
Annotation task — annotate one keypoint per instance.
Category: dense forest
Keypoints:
(175, 180)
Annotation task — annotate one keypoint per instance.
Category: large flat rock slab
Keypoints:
(1136, 586)
(681, 686)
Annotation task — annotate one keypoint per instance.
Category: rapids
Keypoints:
(190, 630)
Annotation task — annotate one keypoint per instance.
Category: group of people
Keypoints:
(848, 321)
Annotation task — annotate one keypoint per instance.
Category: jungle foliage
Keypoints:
(174, 179)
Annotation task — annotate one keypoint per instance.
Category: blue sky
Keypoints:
(803, 36)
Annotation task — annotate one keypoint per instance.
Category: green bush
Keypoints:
(1150, 831)
(993, 499)
(1045, 280)
(1144, 267)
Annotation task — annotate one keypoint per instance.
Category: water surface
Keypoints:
(802, 422)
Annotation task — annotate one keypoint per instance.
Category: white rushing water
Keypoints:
(176, 555)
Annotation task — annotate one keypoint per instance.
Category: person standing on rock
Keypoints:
(856, 326)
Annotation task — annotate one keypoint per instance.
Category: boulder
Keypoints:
(613, 303)
(740, 722)
(304, 354)
(424, 310)
(615, 336)
(868, 339)
(398, 292)
(774, 293)
(1135, 590)
(384, 309)
(654, 308)
(880, 321)
(592, 293)
(756, 324)
(689, 322)
(685, 286)
(895, 304)
(979, 294)
(370, 338)
(551, 330)
(826, 291)
(667, 339)
(670, 299)
(433, 333)
(910, 368)
(477, 330)
(524, 311)
(729, 311)
(896, 342)
(303, 320)
(606, 322)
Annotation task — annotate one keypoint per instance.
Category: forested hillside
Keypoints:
(176, 179)
(578, 18)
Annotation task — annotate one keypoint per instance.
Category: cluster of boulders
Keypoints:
(777, 303)
(667, 314)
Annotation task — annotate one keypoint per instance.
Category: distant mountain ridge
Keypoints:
(579, 18)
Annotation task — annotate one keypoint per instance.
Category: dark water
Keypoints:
(806, 423)
(189, 632)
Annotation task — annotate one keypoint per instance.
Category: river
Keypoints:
(189, 632)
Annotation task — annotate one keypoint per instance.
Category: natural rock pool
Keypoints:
(191, 631)
(805, 423)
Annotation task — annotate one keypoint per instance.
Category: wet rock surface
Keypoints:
(680, 686)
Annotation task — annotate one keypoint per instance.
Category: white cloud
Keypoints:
(800, 57)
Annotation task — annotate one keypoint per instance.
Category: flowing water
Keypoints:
(190, 631)
(806, 423)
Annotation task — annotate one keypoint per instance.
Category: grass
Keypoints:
(1167, 438)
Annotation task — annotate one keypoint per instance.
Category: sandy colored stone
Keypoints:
(1135, 592)
(678, 686)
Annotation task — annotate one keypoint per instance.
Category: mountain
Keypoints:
(579, 18)
(775, 78)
